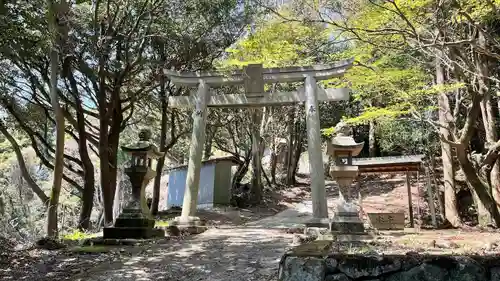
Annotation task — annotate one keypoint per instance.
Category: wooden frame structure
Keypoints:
(395, 164)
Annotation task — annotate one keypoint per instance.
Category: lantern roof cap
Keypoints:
(144, 145)
(345, 144)
(343, 141)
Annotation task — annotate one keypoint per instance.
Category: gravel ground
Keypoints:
(218, 254)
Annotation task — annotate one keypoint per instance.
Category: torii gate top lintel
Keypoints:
(269, 75)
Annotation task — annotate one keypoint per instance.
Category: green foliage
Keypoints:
(161, 223)
(406, 136)
(78, 235)
(276, 43)
(328, 131)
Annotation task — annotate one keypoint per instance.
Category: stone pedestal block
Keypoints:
(346, 219)
(347, 222)
(132, 223)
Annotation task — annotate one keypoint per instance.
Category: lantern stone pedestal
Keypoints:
(135, 221)
(346, 218)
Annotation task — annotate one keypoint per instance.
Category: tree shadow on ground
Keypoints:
(243, 255)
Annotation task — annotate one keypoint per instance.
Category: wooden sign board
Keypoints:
(387, 221)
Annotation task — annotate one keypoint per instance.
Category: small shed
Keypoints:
(215, 183)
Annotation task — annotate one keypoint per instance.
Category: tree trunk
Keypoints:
(445, 118)
(109, 134)
(483, 215)
(22, 166)
(478, 187)
(87, 166)
(488, 115)
(59, 155)
(104, 118)
(299, 144)
(295, 151)
(273, 163)
(163, 142)
(207, 151)
(119, 195)
(292, 133)
(240, 172)
(437, 189)
(256, 156)
(57, 13)
(372, 149)
(87, 201)
(88, 178)
(114, 138)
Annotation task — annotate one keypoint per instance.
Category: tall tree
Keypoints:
(453, 28)
(445, 121)
(57, 13)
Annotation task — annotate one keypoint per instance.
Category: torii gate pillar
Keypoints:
(316, 168)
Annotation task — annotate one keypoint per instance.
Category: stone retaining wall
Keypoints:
(409, 267)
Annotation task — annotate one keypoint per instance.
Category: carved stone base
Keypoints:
(132, 223)
(346, 219)
(318, 223)
(347, 223)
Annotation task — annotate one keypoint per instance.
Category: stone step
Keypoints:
(132, 232)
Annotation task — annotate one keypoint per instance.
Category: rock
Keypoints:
(173, 230)
(444, 262)
(294, 230)
(299, 239)
(413, 259)
(368, 266)
(495, 274)
(432, 244)
(337, 277)
(467, 269)
(424, 272)
(312, 231)
(7, 244)
(302, 269)
(490, 246)
(48, 243)
(446, 244)
(331, 266)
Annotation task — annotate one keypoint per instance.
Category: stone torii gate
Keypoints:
(253, 77)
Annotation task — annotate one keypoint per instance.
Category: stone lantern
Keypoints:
(343, 148)
(136, 221)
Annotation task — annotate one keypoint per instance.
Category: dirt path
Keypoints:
(250, 252)
(218, 254)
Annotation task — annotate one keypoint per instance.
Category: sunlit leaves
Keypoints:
(276, 43)
(373, 113)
